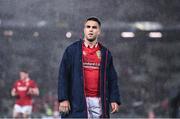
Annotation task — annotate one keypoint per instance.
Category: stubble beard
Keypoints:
(91, 40)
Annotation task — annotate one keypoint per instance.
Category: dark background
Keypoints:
(33, 35)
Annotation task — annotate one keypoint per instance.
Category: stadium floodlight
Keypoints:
(8, 33)
(41, 23)
(148, 26)
(155, 35)
(36, 34)
(127, 34)
(68, 34)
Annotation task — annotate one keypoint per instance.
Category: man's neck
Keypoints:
(90, 44)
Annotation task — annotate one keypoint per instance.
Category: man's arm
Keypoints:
(63, 79)
(33, 88)
(113, 88)
(63, 83)
(13, 92)
(33, 91)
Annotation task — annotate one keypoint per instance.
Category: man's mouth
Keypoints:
(90, 34)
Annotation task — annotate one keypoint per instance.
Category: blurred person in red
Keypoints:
(23, 90)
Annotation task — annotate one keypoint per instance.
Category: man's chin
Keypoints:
(91, 40)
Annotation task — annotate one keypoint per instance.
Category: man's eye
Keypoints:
(87, 26)
(94, 27)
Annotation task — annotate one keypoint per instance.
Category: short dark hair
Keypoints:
(24, 70)
(93, 18)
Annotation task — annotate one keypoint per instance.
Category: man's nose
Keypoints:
(91, 29)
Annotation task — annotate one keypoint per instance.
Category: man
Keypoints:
(87, 79)
(23, 89)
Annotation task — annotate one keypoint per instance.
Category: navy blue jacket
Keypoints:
(71, 84)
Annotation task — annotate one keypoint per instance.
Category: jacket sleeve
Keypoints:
(63, 79)
(113, 83)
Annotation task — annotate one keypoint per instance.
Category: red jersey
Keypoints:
(21, 87)
(91, 67)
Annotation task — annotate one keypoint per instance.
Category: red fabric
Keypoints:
(22, 88)
(91, 67)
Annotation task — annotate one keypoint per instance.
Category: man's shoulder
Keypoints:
(18, 81)
(104, 48)
(74, 45)
(31, 80)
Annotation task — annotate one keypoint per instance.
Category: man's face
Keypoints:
(91, 30)
(23, 75)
